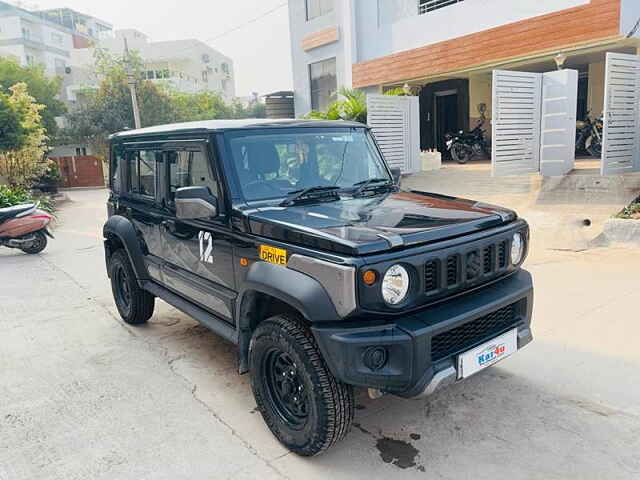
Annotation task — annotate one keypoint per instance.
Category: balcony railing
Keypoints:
(427, 6)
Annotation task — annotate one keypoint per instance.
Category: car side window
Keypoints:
(189, 168)
(142, 172)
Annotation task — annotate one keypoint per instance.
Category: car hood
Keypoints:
(360, 226)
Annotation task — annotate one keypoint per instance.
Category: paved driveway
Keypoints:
(82, 396)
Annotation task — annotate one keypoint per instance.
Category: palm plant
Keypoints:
(349, 105)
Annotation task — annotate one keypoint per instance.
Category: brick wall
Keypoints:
(598, 20)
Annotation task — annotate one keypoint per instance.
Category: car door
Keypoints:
(197, 254)
(141, 200)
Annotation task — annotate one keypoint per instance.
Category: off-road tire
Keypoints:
(39, 244)
(140, 304)
(330, 402)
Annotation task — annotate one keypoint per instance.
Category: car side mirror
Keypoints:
(396, 173)
(193, 203)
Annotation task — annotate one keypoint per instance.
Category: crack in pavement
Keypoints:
(170, 363)
(194, 390)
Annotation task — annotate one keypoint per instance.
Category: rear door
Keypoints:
(197, 254)
(141, 199)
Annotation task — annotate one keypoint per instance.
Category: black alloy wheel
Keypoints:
(306, 408)
(285, 388)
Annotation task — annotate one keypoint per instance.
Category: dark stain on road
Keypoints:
(397, 452)
(415, 436)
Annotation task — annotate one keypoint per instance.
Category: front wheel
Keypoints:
(595, 147)
(303, 404)
(461, 153)
(38, 244)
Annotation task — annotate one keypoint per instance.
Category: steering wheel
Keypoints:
(265, 183)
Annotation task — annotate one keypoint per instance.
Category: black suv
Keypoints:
(294, 240)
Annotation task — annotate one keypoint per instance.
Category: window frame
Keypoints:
(311, 90)
(233, 177)
(195, 147)
(436, 5)
(321, 11)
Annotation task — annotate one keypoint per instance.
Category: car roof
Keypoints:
(224, 125)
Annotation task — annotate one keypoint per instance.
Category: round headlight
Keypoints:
(517, 249)
(395, 285)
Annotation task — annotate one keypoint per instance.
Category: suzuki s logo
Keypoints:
(206, 247)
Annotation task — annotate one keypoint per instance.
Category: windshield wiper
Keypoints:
(303, 192)
(365, 184)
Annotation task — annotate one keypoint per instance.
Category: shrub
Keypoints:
(11, 196)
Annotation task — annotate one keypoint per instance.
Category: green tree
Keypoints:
(109, 108)
(45, 90)
(24, 163)
(199, 106)
(12, 131)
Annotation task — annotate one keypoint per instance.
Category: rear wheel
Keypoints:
(134, 304)
(303, 404)
(38, 244)
(460, 152)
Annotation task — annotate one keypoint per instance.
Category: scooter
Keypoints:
(24, 227)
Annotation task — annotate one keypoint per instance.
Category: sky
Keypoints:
(261, 50)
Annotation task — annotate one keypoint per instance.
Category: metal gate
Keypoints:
(558, 122)
(621, 138)
(395, 122)
(516, 122)
(534, 122)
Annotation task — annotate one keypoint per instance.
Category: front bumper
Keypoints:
(421, 348)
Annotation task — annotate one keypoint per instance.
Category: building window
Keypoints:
(318, 8)
(426, 6)
(57, 39)
(224, 67)
(60, 66)
(324, 83)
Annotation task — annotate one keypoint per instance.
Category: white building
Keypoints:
(445, 50)
(186, 65)
(31, 39)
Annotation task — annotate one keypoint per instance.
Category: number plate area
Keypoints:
(487, 354)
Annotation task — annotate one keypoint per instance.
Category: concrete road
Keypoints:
(83, 396)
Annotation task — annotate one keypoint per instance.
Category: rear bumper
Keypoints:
(421, 348)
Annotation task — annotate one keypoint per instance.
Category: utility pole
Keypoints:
(131, 80)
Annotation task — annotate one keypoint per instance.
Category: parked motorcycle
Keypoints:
(589, 136)
(24, 227)
(465, 146)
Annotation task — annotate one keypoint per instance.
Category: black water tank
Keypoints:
(280, 105)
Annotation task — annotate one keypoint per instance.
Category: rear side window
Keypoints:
(142, 172)
(117, 165)
(190, 168)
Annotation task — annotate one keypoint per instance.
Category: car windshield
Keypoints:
(274, 163)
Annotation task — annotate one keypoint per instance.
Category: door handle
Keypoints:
(169, 225)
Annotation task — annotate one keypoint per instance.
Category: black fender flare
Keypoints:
(121, 228)
(301, 291)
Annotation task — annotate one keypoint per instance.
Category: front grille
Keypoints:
(466, 268)
(502, 254)
(431, 274)
(467, 335)
(452, 270)
(488, 258)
